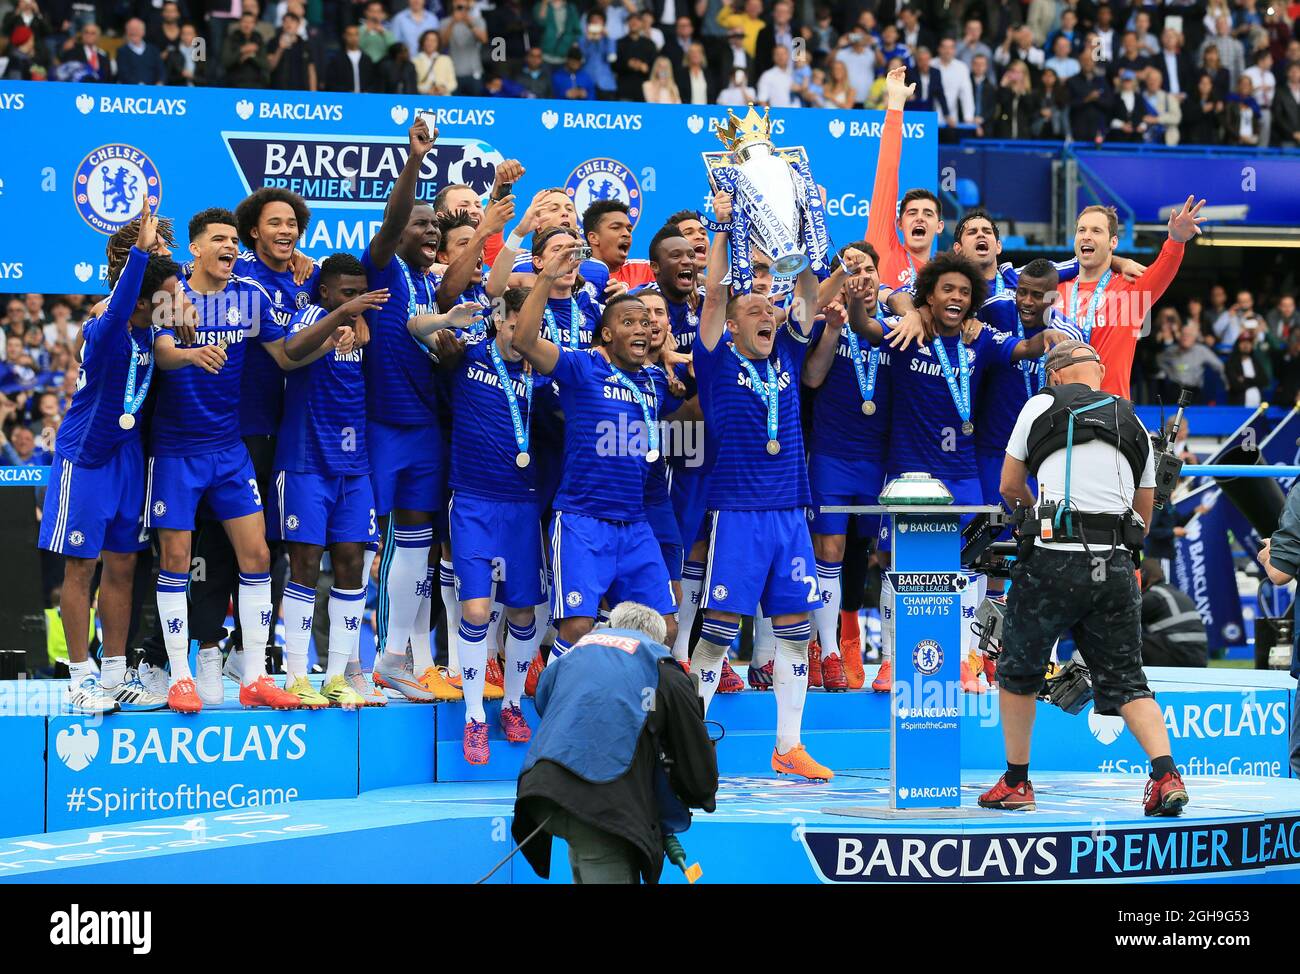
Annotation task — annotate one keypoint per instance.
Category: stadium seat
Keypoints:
(968, 193)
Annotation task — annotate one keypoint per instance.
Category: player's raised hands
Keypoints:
(1185, 221)
(370, 301)
(836, 315)
(910, 328)
(147, 238)
(508, 173)
(498, 214)
(422, 136)
(301, 266)
(465, 314)
(564, 262)
(345, 340)
(722, 206)
(897, 90)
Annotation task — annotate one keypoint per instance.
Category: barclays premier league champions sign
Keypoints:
(185, 149)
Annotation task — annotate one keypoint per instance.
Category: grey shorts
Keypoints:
(1057, 591)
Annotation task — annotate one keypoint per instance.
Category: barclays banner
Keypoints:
(93, 153)
(141, 766)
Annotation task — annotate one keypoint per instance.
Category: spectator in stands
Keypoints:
(1053, 108)
(1040, 15)
(914, 34)
(809, 82)
(928, 96)
(1184, 365)
(1069, 29)
(1128, 111)
(510, 24)
(1173, 633)
(497, 85)
(263, 27)
(1247, 372)
(1263, 88)
(1147, 41)
(857, 53)
(434, 72)
(839, 92)
(19, 373)
(349, 69)
(23, 450)
(1286, 110)
(1203, 115)
(463, 37)
(1286, 369)
(375, 38)
(243, 57)
(290, 60)
(26, 14)
(1231, 56)
(1131, 57)
(1212, 64)
(181, 63)
(1231, 321)
(599, 54)
(984, 92)
(1017, 110)
(1062, 61)
(1242, 118)
(747, 17)
(695, 81)
(27, 61)
(679, 41)
(775, 84)
(167, 31)
(533, 76)
(636, 53)
(955, 76)
(891, 46)
(410, 25)
(84, 49)
(571, 81)
(396, 72)
(561, 30)
(1088, 92)
(1164, 110)
(1175, 66)
(1283, 319)
(1019, 46)
(1105, 40)
(738, 93)
(780, 32)
(972, 44)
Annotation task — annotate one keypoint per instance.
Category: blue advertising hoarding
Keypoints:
(141, 766)
(101, 149)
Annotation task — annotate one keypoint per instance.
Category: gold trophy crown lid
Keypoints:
(736, 133)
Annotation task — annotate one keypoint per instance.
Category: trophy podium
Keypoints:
(926, 699)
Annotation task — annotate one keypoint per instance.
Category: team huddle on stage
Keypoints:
(499, 401)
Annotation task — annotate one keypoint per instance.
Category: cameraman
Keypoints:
(1280, 558)
(617, 713)
(1076, 567)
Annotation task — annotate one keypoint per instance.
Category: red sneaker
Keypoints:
(814, 664)
(685, 664)
(884, 681)
(183, 697)
(970, 681)
(760, 677)
(833, 678)
(514, 726)
(493, 673)
(1165, 796)
(1002, 795)
(990, 671)
(534, 674)
(730, 681)
(851, 650)
(264, 693)
(475, 742)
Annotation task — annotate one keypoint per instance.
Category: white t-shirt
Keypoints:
(1101, 480)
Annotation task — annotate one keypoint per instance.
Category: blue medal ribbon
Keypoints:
(647, 413)
(517, 420)
(959, 385)
(132, 397)
(866, 377)
(1094, 303)
(575, 317)
(1041, 361)
(767, 391)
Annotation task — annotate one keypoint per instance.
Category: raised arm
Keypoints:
(460, 270)
(817, 365)
(540, 352)
(499, 277)
(402, 200)
(882, 231)
(210, 358)
(459, 317)
(1039, 345)
(713, 315)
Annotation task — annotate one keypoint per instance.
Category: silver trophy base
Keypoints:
(790, 265)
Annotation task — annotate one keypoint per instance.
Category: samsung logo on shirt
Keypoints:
(352, 356)
(782, 379)
(216, 336)
(845, 352)
(478, 373)
(625, 395)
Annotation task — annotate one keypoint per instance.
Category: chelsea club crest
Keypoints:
(927, 657)
(111, 184)
(604, 179)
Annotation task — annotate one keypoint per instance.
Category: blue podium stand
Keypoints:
(926, 699)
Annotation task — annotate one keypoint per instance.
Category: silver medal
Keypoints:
(126, 421)
(651, 456)
(522, 459)
(968, 427)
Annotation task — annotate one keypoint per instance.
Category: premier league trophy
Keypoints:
(776, 206)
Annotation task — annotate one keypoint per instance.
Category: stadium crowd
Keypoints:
(1190, 72)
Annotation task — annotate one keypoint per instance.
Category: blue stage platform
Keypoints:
(153, 785)
(1088, 828)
